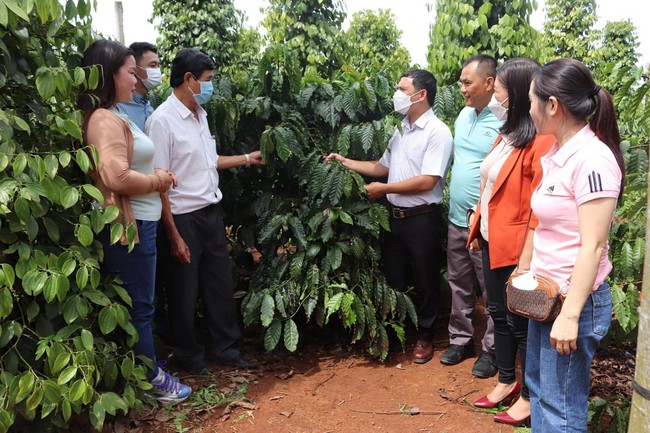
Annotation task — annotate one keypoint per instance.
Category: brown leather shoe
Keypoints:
(423, 351)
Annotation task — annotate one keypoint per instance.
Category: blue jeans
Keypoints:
(137, 270)
(559, 384)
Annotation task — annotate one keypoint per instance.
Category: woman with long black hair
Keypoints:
(575, 205)
(509, 174)
(127, 179)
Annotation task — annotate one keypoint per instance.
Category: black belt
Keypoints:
(210, 208)
(405, 212)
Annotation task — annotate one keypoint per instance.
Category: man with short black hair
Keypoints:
(193, 219)
(149, 76)
(416, 163)
(476, 129)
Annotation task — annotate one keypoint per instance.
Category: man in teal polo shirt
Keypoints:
(476, 129)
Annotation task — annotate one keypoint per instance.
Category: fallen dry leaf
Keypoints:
(414, 411)
(399, 367)
(444, 394)
(276, 397)
(285, 376)
(163, 417)
(235, 404)
(286, 413)
(239, 379)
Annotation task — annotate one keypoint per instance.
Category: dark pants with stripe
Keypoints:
(510, 330)
(413, 256)
(208, 276)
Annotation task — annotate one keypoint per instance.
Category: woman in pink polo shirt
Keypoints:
(575, 205)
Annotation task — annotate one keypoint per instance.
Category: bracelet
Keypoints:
(248, 159)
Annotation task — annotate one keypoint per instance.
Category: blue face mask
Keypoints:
(206, 92)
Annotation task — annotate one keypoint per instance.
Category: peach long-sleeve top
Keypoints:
(112, 138)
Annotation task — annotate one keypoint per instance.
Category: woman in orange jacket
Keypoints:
(509, 175)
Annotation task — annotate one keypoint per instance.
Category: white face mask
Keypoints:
(154, 78)
(497, 108)
(402, 101)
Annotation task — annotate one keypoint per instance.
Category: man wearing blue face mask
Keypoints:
(193, 219)
(149, 76)
(415, 162)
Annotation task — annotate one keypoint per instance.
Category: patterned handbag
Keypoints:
(542, 304)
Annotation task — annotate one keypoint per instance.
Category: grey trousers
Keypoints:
(465, 274)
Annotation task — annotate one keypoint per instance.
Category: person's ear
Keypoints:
(552, 105)
(489, 83)
(424, 95)
(187, 77)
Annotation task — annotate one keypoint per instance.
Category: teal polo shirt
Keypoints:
(473, 139)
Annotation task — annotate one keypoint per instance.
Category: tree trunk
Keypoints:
(119, 20)
(640, 410)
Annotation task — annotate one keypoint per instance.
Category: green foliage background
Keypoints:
(64, 326)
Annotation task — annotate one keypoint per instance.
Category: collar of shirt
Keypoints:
(485, 112)
(421, 122)
(560, 155)
(183, 111)
(139, 99)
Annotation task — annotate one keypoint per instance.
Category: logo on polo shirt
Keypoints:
(550, 189)
(595, 183)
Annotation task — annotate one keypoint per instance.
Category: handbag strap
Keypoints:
(523, 244)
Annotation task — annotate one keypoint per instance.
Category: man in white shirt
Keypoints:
(193, 219)
(416, 163)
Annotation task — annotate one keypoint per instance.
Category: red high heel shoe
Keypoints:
(504, 418)
(485, 403)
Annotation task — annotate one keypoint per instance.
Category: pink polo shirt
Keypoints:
(582, 170)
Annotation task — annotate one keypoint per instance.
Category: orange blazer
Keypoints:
(509, 205)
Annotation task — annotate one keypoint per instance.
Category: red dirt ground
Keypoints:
(328, 386)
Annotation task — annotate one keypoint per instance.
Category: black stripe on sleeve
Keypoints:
(595, 182)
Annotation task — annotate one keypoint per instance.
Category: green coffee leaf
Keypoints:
(272, 335)
(267, 311)
(291, 335)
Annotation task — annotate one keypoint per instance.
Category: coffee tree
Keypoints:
(316, 231)
(64, 326)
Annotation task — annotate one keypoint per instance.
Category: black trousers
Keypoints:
(413, 255)
(510, 330)
(208, 276)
